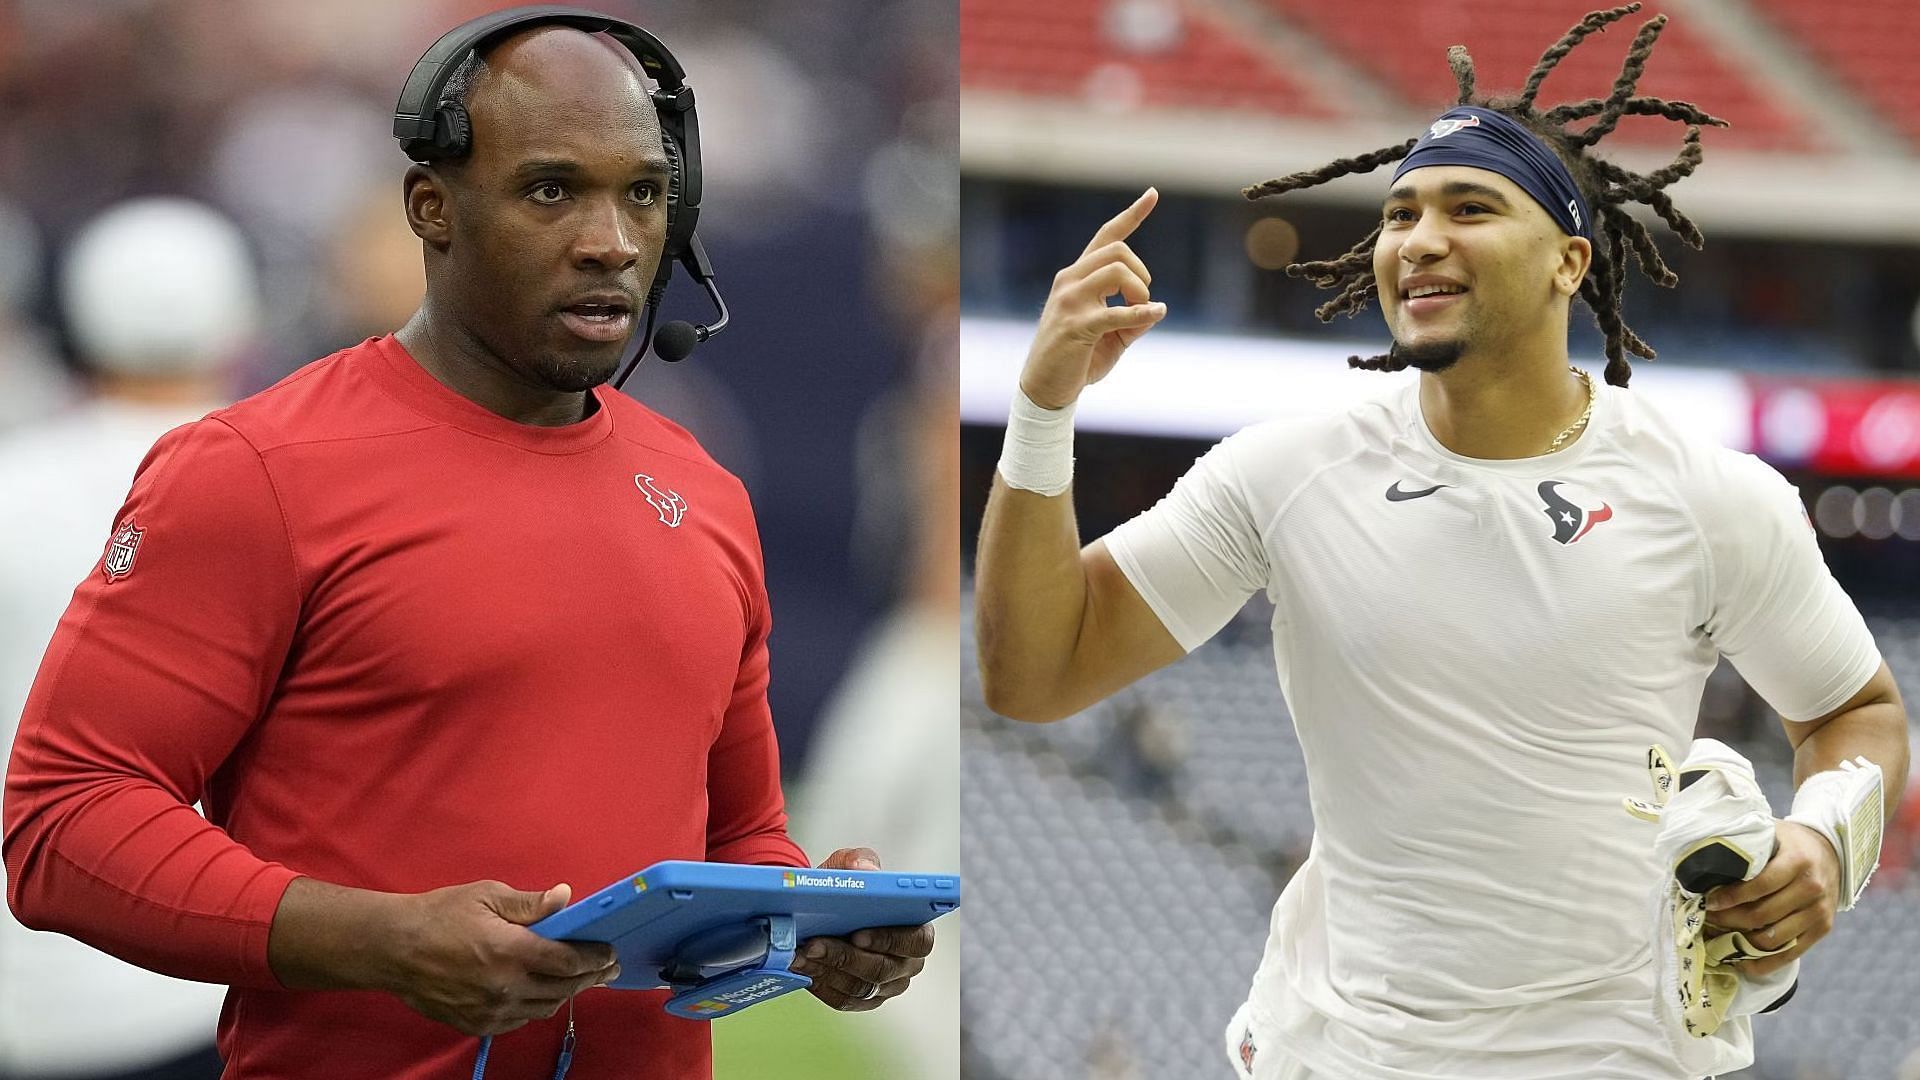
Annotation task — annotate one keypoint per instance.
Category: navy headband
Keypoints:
(1486, 139)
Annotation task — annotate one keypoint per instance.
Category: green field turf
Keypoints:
(795, 1038)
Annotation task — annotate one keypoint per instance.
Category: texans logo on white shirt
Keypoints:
(1574, 512)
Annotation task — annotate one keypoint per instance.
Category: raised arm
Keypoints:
(1059, 628)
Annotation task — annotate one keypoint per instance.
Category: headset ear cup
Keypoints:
(452, 130)
(676, 190)
(675, 243)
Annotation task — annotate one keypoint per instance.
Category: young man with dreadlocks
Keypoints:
(1494, 589)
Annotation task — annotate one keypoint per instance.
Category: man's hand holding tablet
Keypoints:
(859, 973)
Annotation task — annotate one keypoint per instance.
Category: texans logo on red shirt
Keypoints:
(1573, 517)
(669, 503)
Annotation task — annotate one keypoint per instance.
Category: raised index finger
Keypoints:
(1122, 224)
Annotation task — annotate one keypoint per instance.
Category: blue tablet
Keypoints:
(723, 936)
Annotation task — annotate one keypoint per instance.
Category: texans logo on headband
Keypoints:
(1448, 125)
(1492, 140)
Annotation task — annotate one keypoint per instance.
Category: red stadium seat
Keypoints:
(1075, 49)
(1865, 44)
(1506, 38)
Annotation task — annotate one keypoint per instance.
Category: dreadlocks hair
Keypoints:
(1605, 185)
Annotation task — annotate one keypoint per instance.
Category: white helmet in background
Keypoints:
(160, 286)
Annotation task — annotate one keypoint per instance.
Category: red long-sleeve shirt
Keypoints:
(395, 641)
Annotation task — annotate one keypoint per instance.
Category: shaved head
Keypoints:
(554, 71)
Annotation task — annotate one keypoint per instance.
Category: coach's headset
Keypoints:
(431, 130)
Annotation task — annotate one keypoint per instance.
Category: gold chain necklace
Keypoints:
(1585, 414)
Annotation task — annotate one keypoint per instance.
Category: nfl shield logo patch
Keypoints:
(121, 550)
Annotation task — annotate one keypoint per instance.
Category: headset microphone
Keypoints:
(676, 340)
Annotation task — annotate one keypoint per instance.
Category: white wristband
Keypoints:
(1846, 805)
(1038, 453)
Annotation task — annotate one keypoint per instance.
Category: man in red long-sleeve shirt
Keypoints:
(438, 608)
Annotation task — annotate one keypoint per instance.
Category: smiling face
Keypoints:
(547, 236)
(1468, 262)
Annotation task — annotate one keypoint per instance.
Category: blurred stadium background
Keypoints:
(1792, 336)
(829, 137)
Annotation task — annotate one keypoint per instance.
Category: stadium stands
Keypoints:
(1196, 56)
(1804, 269)
(1866, 44)
(1097, 51)
(1506, 38)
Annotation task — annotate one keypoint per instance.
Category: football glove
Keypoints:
(1716, 828)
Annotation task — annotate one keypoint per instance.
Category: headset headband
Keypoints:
(413, 117)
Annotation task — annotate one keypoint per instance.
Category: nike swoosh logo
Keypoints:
(1394, 494)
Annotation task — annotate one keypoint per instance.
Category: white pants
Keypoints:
(1268, 1062)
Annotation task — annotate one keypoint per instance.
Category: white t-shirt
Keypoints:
(68, 1008)
(1477, 655)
